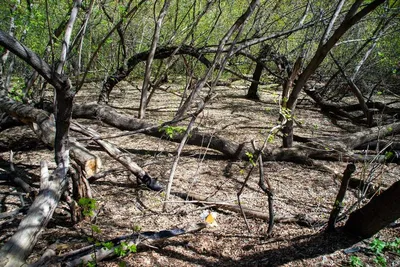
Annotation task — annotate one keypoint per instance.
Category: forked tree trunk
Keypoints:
(253, 89)
(252, 93)
(351, 19)
(17, 249)
(377, 214)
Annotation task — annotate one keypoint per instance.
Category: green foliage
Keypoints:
(389, 155)
(95, 229)
(355, 261)
(137, 228)
(124, 248)
(394, 246)
(172, 131)
(287, 113)
(91, 264)
(88, 206)
(377, 246)
(380, 260)
(271, 138)
(250, 157)
(107, 245)
(16, 93)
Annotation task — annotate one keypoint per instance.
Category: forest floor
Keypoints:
(300, 191)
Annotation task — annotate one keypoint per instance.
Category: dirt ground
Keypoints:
(124, 207)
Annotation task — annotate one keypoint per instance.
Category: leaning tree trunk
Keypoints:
(351, 19)
(253, 89)
(252, 93)
(377, 214)
(17, 249)
(149, 61)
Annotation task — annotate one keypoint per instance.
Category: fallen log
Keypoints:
(43, 124)
(99, 253)
(121, 157)
(338, 149)
(20, 245)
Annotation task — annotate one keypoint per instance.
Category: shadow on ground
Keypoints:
(299, 248)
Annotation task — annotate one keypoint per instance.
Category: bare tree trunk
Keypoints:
(377, 214)
(338, 205)
(328, 29)
(252, 93)
(237, 26)
(123, 158)
(156, 37)
(351, 19)
(357, 93)
(287, 86)
(20, 245)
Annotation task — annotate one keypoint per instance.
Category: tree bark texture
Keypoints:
(233, 150)
(123, 158)
(43, 124)
(351, 19)
(20, 245)
(338, 205)
(377, 214)
(252, 93)
(150, 58)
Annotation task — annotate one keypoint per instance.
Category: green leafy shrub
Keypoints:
(88, 206)
(355, 261)
(172, 131)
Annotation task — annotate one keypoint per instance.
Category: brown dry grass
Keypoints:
(299, 190)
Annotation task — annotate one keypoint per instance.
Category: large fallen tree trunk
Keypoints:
(17, 249)
(338, 149)
(43, 124)
(377, 214)
(121, 157)
(339, 111)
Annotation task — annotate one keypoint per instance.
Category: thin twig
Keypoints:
(272, 132)
(268, 190)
